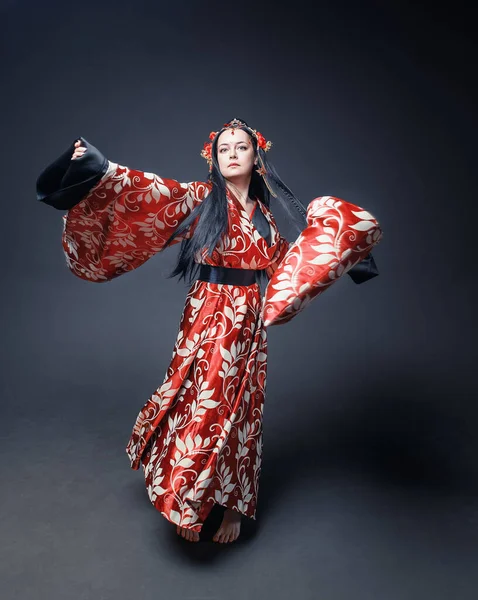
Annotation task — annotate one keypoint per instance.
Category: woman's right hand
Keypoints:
(79, 150)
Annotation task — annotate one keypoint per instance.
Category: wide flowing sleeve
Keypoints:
(361, 272)
(117, 217)
(338, 236)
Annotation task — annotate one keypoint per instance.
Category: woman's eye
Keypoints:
(240, 148)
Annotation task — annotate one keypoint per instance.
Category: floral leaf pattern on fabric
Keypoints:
(198, 437)
(124, 220)
(338, 236)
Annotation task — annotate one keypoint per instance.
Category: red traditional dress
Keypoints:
(199, 436)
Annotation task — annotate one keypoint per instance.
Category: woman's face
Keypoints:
(235, 154)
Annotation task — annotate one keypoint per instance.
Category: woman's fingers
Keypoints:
(79, 150)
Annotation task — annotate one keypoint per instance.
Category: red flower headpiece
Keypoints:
(206, 152)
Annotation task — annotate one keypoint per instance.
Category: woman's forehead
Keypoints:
(232, 136)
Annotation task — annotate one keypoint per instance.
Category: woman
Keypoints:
(198, 438)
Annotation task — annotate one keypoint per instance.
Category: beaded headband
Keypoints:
(206, 152)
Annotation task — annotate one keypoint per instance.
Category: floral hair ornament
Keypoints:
(206, 152)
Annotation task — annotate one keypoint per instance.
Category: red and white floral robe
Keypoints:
(198, 438)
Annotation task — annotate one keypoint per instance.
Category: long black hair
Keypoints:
(212, 212)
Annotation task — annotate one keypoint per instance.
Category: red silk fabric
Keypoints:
(338, 236)
(198, 438)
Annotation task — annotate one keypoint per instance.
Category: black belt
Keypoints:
(227, 275)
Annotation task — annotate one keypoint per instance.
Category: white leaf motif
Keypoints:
(164, 190)
(175, 517)
(363, 214)
(321, 259)
(205, 394)
(282, 285)
(225, 353)
(189, 442)
(282, 295)
(363, 225)
(204, 475)
(324, 248)
(209, 404)
(180, 445)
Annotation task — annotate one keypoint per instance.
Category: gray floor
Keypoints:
(353, 503)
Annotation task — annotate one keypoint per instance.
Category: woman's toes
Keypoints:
(188, 534)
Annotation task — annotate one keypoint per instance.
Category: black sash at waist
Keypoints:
(227, 275)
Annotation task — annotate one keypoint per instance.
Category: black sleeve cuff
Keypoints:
(65, 182)
(364, 270)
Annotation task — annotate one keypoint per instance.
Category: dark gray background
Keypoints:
(368, 487)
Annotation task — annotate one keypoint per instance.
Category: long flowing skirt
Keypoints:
(199, 436)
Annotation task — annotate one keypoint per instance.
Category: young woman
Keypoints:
(198, 438)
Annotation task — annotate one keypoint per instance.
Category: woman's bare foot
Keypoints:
(230, 527)
(188, 534)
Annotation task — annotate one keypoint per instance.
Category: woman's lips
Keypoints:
(234, 165)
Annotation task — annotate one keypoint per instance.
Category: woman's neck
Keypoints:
(240, 189)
